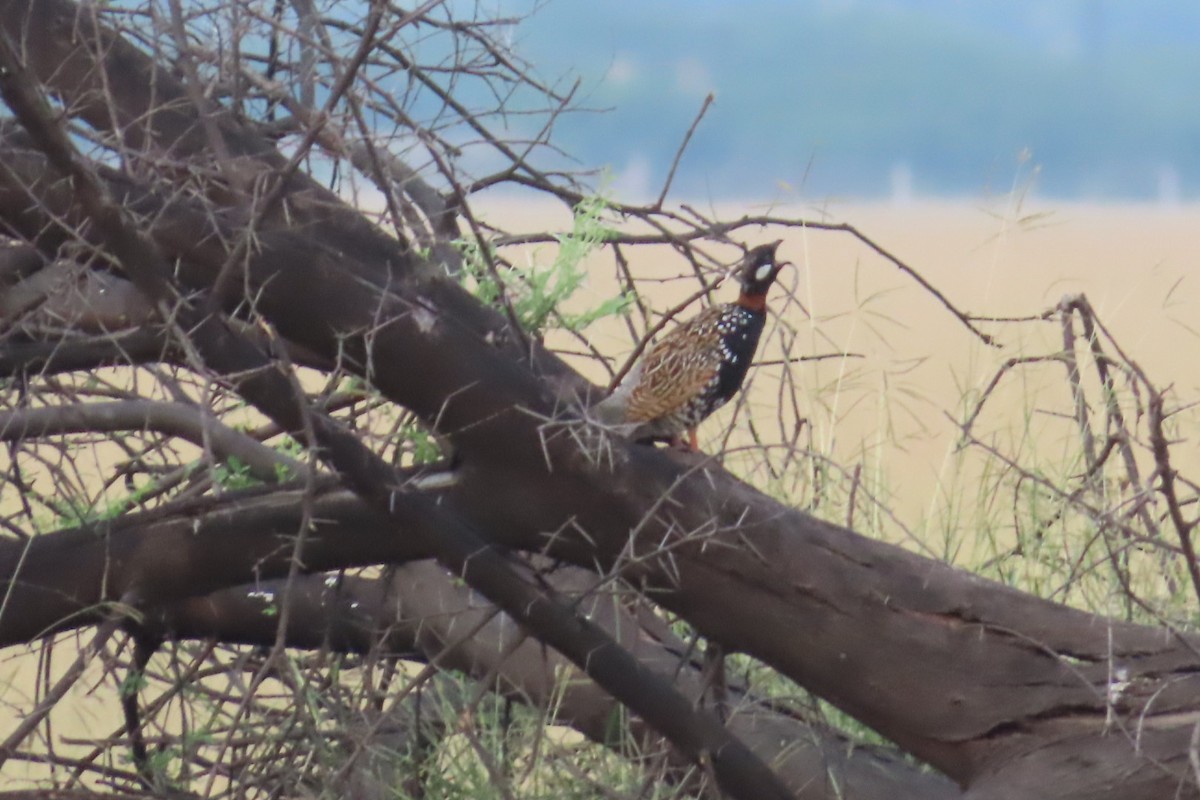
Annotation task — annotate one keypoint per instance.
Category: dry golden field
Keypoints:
(889, 409)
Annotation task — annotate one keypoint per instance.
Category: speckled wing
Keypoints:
(677, 369)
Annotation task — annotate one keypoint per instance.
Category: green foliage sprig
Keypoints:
(537, 292)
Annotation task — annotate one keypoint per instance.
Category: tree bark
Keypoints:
(419, 608)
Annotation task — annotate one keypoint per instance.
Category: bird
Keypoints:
(696, 368)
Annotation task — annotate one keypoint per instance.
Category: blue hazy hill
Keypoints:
(862, 97)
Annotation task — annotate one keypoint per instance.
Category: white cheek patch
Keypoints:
(762, 272)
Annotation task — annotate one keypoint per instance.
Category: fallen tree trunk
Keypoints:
(418, 608)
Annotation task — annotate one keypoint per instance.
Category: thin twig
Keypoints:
(682, 147)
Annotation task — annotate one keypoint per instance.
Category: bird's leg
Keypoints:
(688, 445)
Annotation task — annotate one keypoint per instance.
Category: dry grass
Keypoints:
(888, 409)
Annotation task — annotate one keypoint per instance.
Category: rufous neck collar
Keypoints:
(752, 302)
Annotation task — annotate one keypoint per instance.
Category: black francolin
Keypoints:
(697, 367)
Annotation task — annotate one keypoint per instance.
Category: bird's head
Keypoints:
(759, 269)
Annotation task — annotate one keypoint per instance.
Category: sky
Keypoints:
(1087, 99)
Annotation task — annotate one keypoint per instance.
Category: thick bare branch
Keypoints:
(418, 607)
(174, 419)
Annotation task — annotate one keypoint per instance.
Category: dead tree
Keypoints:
(158, 229)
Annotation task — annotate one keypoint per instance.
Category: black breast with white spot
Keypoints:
(739, 329)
